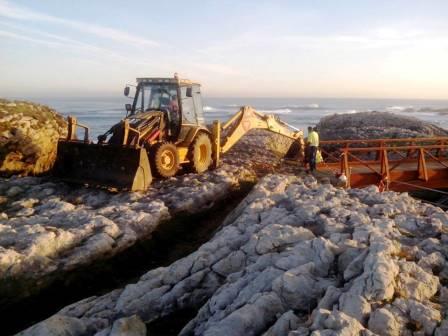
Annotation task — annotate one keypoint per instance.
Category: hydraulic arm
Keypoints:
(245, 120)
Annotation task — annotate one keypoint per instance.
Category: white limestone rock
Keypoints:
(57, 325)
(411, 314)
(286, 323)
(294, 257)
(334, 322)
(355, 306)
(52, 228)
(416, 283)
(383, 322)
(128, 326)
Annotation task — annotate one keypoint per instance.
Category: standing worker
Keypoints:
(313, 144)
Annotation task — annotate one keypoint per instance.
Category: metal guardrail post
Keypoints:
(422, 169)
(385, 172)
(346, 166)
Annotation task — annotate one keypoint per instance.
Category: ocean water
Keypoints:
(102, 112)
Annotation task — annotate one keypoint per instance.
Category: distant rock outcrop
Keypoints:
(375, 125)
(28, 137)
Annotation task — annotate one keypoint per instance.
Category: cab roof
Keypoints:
(169, 80)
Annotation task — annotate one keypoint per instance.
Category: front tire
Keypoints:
(164, 159)
(200, 153)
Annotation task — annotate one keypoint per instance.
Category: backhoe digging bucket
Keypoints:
(103, 165)
(294, 151)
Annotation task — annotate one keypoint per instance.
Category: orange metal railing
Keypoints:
(330, 148)
(422, 161)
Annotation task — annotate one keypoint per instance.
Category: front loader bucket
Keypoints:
(103, 165)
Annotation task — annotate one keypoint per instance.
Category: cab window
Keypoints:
(188, 114)
(197, 101)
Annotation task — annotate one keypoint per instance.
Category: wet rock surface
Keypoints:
(375, 125)
(28, 137)
(297, 258)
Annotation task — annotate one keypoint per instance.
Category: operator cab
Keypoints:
(178, 99)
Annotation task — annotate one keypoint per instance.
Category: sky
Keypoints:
(343, 48)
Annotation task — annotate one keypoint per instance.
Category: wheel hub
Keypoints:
(167, 159)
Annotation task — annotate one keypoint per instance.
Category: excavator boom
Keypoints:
(247, 119)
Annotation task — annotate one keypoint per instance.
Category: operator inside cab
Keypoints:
(173, 105)
(173, 115)
(165, 99)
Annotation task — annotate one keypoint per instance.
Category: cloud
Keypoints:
(217, 68)
(20, 32)
(64, 43)
(386, 38)
(12, 11)
(9, 34)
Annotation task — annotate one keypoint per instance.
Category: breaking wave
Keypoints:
(276, 111)
(303, 107)
(210, 109)
(399, 108)
(313, 106)
(411, 109)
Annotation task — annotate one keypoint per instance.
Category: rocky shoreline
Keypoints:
(295, 257)
(48, 227)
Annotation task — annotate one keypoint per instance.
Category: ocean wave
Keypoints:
(276, 111)
(411, 109)
(440, 111)
(327, 113)
(344, 112)
(313, 106)
(210, 109)
(399, 108)
(429, 114)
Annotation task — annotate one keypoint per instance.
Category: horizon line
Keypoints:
(109, 95)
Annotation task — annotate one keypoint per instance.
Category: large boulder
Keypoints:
(28, 137)
(375, 125)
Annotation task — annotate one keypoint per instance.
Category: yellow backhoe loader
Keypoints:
(164, 131)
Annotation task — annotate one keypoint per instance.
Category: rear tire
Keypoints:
(164, 159)
(200, 153)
